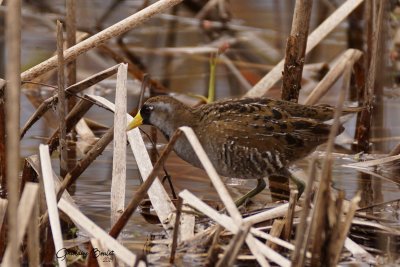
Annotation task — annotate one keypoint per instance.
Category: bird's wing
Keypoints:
(291, 137)
(268, 105)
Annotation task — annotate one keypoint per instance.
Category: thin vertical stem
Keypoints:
(296, 50)
(71, 41)
(176, 230)
(70, 24)
(3, 180)
(13, 69)
(61, 101)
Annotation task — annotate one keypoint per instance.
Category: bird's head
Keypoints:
(163, 112)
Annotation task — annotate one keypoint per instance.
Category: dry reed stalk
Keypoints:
(159, 198)
(175, 234)
(303, 229)
(336, 245)
(71, 90)
(12, 112)
(359, 252)
(118, 183)
(188, 221)
(3, 210)
(290, 215)
(146, 185)
(24, 211)
(379, 226)
(212, 253)
(34, 162)
(101, 37)
(257, 43)
(319, 227)
(276, 231)
(206, 9)
(51, 200)
(70, 23)
(87, 137)
(33, 236)
(363, 129)
(71, 120)
(212, 173)
(351, 56)
(270, 214)
(28, 175)
(3, 179)
(395, 150)
(80, 167)
(232, 251)
(61, 107)
(314, 38)
(372, 163)
(258, 249)
(295, 51)
(95, 231)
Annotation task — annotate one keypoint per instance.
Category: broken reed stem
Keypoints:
(232, 251)
(141, 192)
(118, 182)
(61, 107)
(101, 37)
(303, 229)
(295, 51)
(70, 91)
(80, 167)
(276, 231)
(176, 230)
(51, 199)
(290, 215)
(13, 69)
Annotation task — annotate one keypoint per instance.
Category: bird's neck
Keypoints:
(180, 117)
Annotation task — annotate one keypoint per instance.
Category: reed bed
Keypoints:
(315, 230)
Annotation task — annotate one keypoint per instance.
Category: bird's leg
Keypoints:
(260, 187)
(299, 183)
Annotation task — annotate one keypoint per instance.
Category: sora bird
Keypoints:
(250, 138)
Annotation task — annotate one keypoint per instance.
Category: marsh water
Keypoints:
(270, 21)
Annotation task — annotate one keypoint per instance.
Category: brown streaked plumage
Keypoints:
(248, 138)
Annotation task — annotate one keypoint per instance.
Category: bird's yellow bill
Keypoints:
(137, 121)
